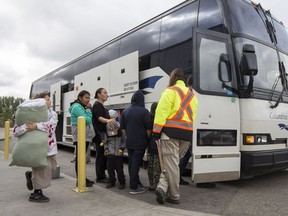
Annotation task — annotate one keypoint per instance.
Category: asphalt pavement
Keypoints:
(64, 201)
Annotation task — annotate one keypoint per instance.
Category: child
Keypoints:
(153, 159)
(114, 151)
(40, 177)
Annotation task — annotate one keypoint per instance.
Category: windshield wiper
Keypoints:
(284, 82)
(269, 26)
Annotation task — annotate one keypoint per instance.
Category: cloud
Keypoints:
(40, 36)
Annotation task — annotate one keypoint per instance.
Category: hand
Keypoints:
(156, 136)
(31, 126)
(89, 106)
(110, 122)
(106, 152)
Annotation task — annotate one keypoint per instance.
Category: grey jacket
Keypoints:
(113, 144)
(89, 133)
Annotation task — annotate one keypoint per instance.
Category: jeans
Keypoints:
(135, 161)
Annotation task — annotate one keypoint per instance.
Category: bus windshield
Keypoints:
(251, 21)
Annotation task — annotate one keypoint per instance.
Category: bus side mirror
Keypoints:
(224, 69)
(248, 64)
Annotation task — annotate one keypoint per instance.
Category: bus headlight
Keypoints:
(250, 139)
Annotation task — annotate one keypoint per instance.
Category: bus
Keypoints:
(237, 53)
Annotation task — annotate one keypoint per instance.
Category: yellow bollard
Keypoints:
(81, 156)
(7, 137)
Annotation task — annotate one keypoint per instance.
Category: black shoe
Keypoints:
(121, 186)
(28, 175)
(183, 182)
(138, 190)
(110, 185)
(88, 160)
(173, 201)
(160, 195)
(206, 185)
(38, 197)
(89, 183)
(104, 180)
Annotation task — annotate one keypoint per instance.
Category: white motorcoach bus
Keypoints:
(237, 52)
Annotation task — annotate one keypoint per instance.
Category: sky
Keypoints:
(37, 37)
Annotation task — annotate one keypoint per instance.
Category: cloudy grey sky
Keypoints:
(37, 37)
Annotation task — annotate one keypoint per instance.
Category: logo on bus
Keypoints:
(278, 116)
(149, 82)
(283, 126)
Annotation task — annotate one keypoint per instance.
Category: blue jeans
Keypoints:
(135, 161)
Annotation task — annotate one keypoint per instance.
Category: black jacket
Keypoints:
(136, 121)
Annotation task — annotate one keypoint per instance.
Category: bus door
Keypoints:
(55, 94)
(216, 130)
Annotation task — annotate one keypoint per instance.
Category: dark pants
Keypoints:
(115, 163)
(135, 161)
(184, 161)
(76, 156)
(100, 162)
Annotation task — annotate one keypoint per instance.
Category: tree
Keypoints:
(8, 106)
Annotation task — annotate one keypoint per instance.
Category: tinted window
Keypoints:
(145, 40)
(267, 62)
(282, 36)
(177, 27)
(179, 56)
(83, 65)
(210, 16)
(176, 39)
(246, 19)
(105, 54)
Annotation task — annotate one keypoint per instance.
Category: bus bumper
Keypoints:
(255, 163)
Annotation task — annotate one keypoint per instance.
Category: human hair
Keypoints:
(41, 95)
(82, 93)
(189, 82)
(153, 108)
(176, 74)
(98, 91)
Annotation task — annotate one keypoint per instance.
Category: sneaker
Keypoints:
(142, 186)
(121, 186)
(172, 201)
(139, 190)
(28, 175)
(38, 197)
(110, 185)
(183, 182)
(74, 160)
(160, 195)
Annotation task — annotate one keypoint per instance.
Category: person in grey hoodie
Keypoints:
(136, 126)
(113, 149)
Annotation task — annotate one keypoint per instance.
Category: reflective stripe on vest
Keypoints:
(184, 106)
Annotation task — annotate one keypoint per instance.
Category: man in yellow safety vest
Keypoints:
(173, 126)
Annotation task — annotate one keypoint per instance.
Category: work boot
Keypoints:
(160, 195)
